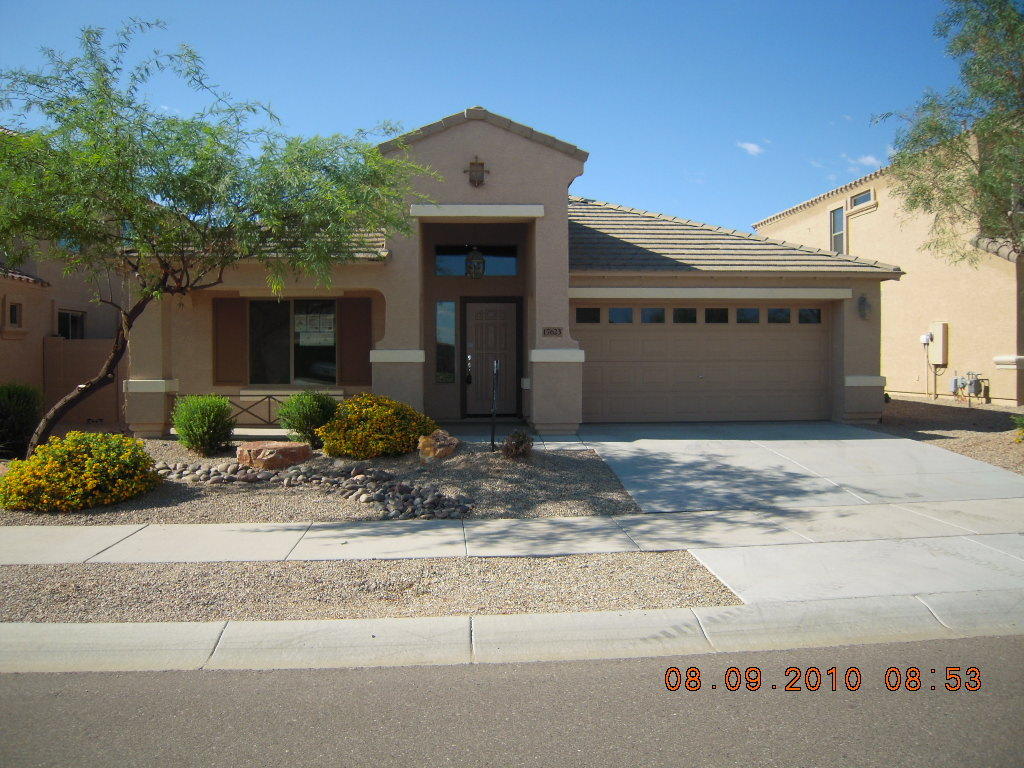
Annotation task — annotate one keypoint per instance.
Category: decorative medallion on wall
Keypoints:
(477, 172)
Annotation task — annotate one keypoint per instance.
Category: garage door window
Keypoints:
(778, 315)
(620, 315)
(810, 316)
(652, 315)
(684, 315)
(748, 315)
(716, 315)
(588, 315)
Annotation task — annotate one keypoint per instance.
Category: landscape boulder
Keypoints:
(269, 454)
(437, 445)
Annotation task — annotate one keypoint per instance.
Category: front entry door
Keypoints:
(491, 334)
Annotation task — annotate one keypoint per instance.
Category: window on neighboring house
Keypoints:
(444, 366)
(588, 314)
(837, 220)
(499, 261)
(70, 324)
(652, 315)
(860, 198)
(620, 315)
(714, 315)
(684, 315)
(809, 316)
(14, 315)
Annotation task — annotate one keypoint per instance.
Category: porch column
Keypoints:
(149, 389)
(554, 359)
(858, 386)
(398, 358)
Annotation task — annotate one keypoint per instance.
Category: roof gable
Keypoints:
(479, 113)
(613, 238)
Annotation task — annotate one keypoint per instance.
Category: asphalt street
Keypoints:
(605, 713)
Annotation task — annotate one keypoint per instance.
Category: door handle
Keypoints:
(469, 369)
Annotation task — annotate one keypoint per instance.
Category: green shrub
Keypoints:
(79, 471)
(366, 426)
(1018, 422)
(203, 423)
(305, 412)
(19, 414)
(518, 445)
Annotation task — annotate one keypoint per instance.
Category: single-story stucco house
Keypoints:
(593, 312)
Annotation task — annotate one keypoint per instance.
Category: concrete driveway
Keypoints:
(773, 466)
(819, 511)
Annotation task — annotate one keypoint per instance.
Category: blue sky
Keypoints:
(722, 111)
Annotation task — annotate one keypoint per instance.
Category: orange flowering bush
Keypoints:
(366, 426)
(79, 471)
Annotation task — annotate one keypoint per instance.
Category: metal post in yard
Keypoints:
(494, 401)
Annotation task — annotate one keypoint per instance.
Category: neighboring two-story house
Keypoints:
(53, 336)
(588, 311)
(973, 311)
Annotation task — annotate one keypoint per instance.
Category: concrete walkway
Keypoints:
(987, 536)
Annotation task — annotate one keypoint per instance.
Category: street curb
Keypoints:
(447, 640)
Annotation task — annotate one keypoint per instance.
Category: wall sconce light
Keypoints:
(863, 307)
(475, 264)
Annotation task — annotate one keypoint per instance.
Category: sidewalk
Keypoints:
(26, 647)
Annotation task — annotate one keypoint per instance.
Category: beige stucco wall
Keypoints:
(521, 171)
(980, 302)
(21, 349)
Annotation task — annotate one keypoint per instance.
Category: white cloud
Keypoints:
(816, 163)
(750, 148)
(869, 161)
(847, 118)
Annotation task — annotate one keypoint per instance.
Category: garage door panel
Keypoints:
(698, 372)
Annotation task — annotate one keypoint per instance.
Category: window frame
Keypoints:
(440, 377)
(728, 316)
(15, 315)
(77, 313)
(800, 316)
(869, 192)
(645, 321)
(833, 233)
(631, 320)
(685, 309)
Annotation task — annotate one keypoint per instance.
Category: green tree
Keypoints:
(960, 154)
(119, 190)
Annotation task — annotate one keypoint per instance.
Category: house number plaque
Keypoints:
(552, 332)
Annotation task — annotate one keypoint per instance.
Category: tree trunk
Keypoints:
(107, 375)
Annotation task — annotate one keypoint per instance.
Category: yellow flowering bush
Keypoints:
(78, 471)
(366, 426)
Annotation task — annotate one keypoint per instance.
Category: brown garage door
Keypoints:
(704, 362)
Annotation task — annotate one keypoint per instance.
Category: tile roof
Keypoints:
(10, 273)
(1001, 248)
(479, 113)
(817, 199)
(613, 238)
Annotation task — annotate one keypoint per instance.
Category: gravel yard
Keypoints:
(983, 432)
(565, 483)
(356, 588)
